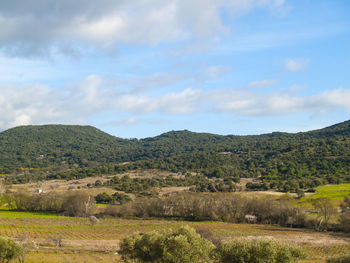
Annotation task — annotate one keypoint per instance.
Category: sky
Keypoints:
(138, 68)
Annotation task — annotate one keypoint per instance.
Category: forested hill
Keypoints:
(42, 146)
(323, 153)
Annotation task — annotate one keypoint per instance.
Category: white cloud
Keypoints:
(125, 122)
(261, 84)
(155, 80)
(213, 72)
(21, 105)
(36, 27)
(278, 103)
(293, 65)
(184, 102)
(330, 99)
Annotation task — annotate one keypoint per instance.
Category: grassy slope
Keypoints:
(336, 193)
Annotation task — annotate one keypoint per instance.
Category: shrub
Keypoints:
(345, 215)
(10, 250)
(257, 252)
(48, 202)
(103, 198)
(182, 246)
(121, 198)
(344, 222)
(79, 204)
(339, 259)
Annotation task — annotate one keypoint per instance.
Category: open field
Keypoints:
(52, 238)
(335, 193)
(60, 186)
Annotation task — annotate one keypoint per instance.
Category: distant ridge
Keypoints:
(319, 153)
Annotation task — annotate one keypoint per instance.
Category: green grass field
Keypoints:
(6, 213)
(82, 242)
(336, 193)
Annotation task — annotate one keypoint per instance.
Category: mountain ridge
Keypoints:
(340, 125)
(322, 154)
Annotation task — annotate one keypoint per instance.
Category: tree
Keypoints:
(10, 250)
(103, 198)
(257, 252)
(185, 246)
(345, 205)
(79, 204)
(345, 215)
(325, 211)
(182, 246)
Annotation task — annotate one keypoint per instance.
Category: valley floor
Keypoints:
(51, 238)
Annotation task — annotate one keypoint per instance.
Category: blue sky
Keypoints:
(140, 68)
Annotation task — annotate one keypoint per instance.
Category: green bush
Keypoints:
(182, 246)
(257, 252)
(187, 246)
(339, 259)
(10, 250)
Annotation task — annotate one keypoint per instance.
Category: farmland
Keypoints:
(172, 180)
(335, 193)
(52, 238)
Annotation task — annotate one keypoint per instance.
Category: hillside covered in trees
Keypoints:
(307, 159)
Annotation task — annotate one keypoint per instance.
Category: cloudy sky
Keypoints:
(137, 68)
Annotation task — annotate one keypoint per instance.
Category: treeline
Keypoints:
(72, 204)
(217, 207)
(233, 208)
(236, 208)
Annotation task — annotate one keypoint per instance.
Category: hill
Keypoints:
(306, 159)
(42, 146)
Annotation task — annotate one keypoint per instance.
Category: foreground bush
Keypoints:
(182, 246)
(258, 252)
(10, 250)
(339, 259)
(185, 246)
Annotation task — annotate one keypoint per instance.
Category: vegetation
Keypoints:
(209, 166)
(181, 246)
(73, 204)
(116, 198)
(218, 207)
(43, 146)
(83, 242)
(257, 251)
(233, 207)
(10, 250)
(287, 162)
(345, 215)
(185, 245)
(339, 259)
(335, 193)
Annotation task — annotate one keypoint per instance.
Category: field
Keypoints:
(62, 186)
(52, 238)
(335, 193)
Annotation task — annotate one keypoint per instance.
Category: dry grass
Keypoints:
(65, 239)
(81, 184)
(51, 238)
